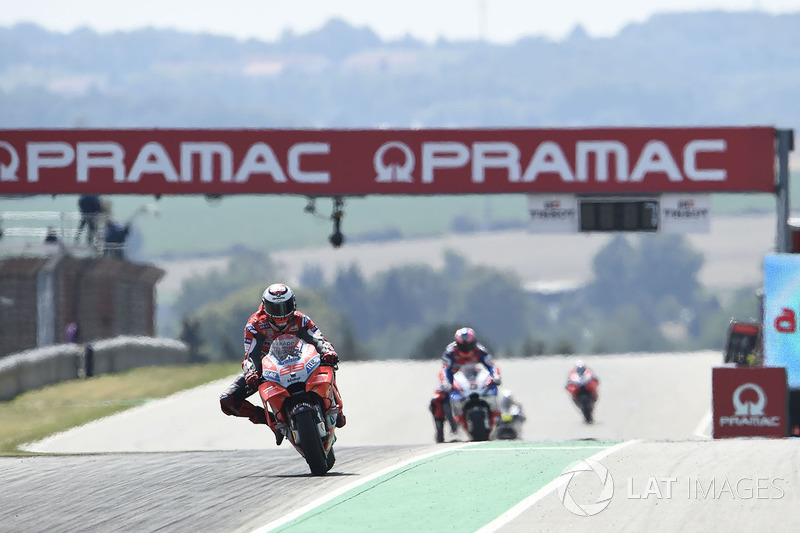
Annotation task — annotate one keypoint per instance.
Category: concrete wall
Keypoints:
(33, 369)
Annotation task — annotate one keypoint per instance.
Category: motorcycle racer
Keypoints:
(581, 381)
(276, 315)
(464, 350)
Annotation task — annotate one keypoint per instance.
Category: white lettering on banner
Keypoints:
(300, 149)
(495, 155)
(206, 152)
(442, 155)
(153, 159)
(48, 155)
(548, 157)
(9, 172)
(260, 159)
(690, 152)
(655, 158)
(602, 150)
(602, 160)
(100, 155)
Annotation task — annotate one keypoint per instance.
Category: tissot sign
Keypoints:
(352, 162)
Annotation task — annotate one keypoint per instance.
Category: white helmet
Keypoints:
(279, 304)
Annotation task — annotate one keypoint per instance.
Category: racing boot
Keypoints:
(341, 420)
(278, 436)
(448, 414)
(439, 422)
(272, 423)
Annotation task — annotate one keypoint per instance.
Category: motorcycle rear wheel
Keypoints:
(587, 409)
(477, 425)
(311, 444)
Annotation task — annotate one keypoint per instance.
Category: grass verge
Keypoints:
(36, 414)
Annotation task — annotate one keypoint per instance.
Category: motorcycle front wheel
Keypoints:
(311, 444)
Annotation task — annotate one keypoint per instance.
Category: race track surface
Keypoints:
(180, 465)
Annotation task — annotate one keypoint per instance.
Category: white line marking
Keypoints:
(517, 448)
(325, 499)
(704, 427)
(534, 498)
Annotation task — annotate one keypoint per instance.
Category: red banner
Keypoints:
(749, 402)
(319, 162)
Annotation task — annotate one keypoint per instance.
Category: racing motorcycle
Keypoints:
(583, 390)
(298, 392)
(474, 401)
(509, 427)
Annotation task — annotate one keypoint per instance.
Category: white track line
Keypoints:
(534, 498)
(325, 499)
(516, 448)
(704, 428)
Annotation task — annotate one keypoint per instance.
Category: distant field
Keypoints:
(190, 226)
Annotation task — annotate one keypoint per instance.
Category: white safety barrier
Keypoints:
(36, 368)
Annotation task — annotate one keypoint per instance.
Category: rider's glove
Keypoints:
(329, 357)
(252, 379)
(496, 379)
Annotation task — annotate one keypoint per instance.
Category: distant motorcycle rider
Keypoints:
(582, 380)
(277, 315)
(464, 350)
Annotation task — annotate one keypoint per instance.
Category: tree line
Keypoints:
(644, 297)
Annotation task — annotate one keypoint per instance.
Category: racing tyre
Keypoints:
(477, 422)
(331, 458)
(587, 408)
(310, 443)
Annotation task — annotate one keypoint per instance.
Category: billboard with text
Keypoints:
(330, 162)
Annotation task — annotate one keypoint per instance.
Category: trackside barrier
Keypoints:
(33, 369)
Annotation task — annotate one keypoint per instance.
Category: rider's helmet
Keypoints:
(465, 340)
(279, 304)
(580, 367)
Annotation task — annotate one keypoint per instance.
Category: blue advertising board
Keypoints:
(782, 313)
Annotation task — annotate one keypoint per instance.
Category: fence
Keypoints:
(106, 298)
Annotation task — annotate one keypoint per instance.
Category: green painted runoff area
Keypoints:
(460, 490)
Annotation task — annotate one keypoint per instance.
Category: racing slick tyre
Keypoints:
(479, 429)
(331, 458)
(310, 443)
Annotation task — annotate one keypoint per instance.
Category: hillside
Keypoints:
(707, 68)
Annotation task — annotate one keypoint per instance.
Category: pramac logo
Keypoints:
(749, 408)
(398, 172)
(748, 412)
(8, 172)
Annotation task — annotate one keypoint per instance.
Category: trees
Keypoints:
(645, 296)
(656, 274)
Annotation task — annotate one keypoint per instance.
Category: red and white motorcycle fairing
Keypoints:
(298, 392)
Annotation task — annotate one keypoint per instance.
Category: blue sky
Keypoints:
(496, 20)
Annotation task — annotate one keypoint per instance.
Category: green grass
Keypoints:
(36, 414)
